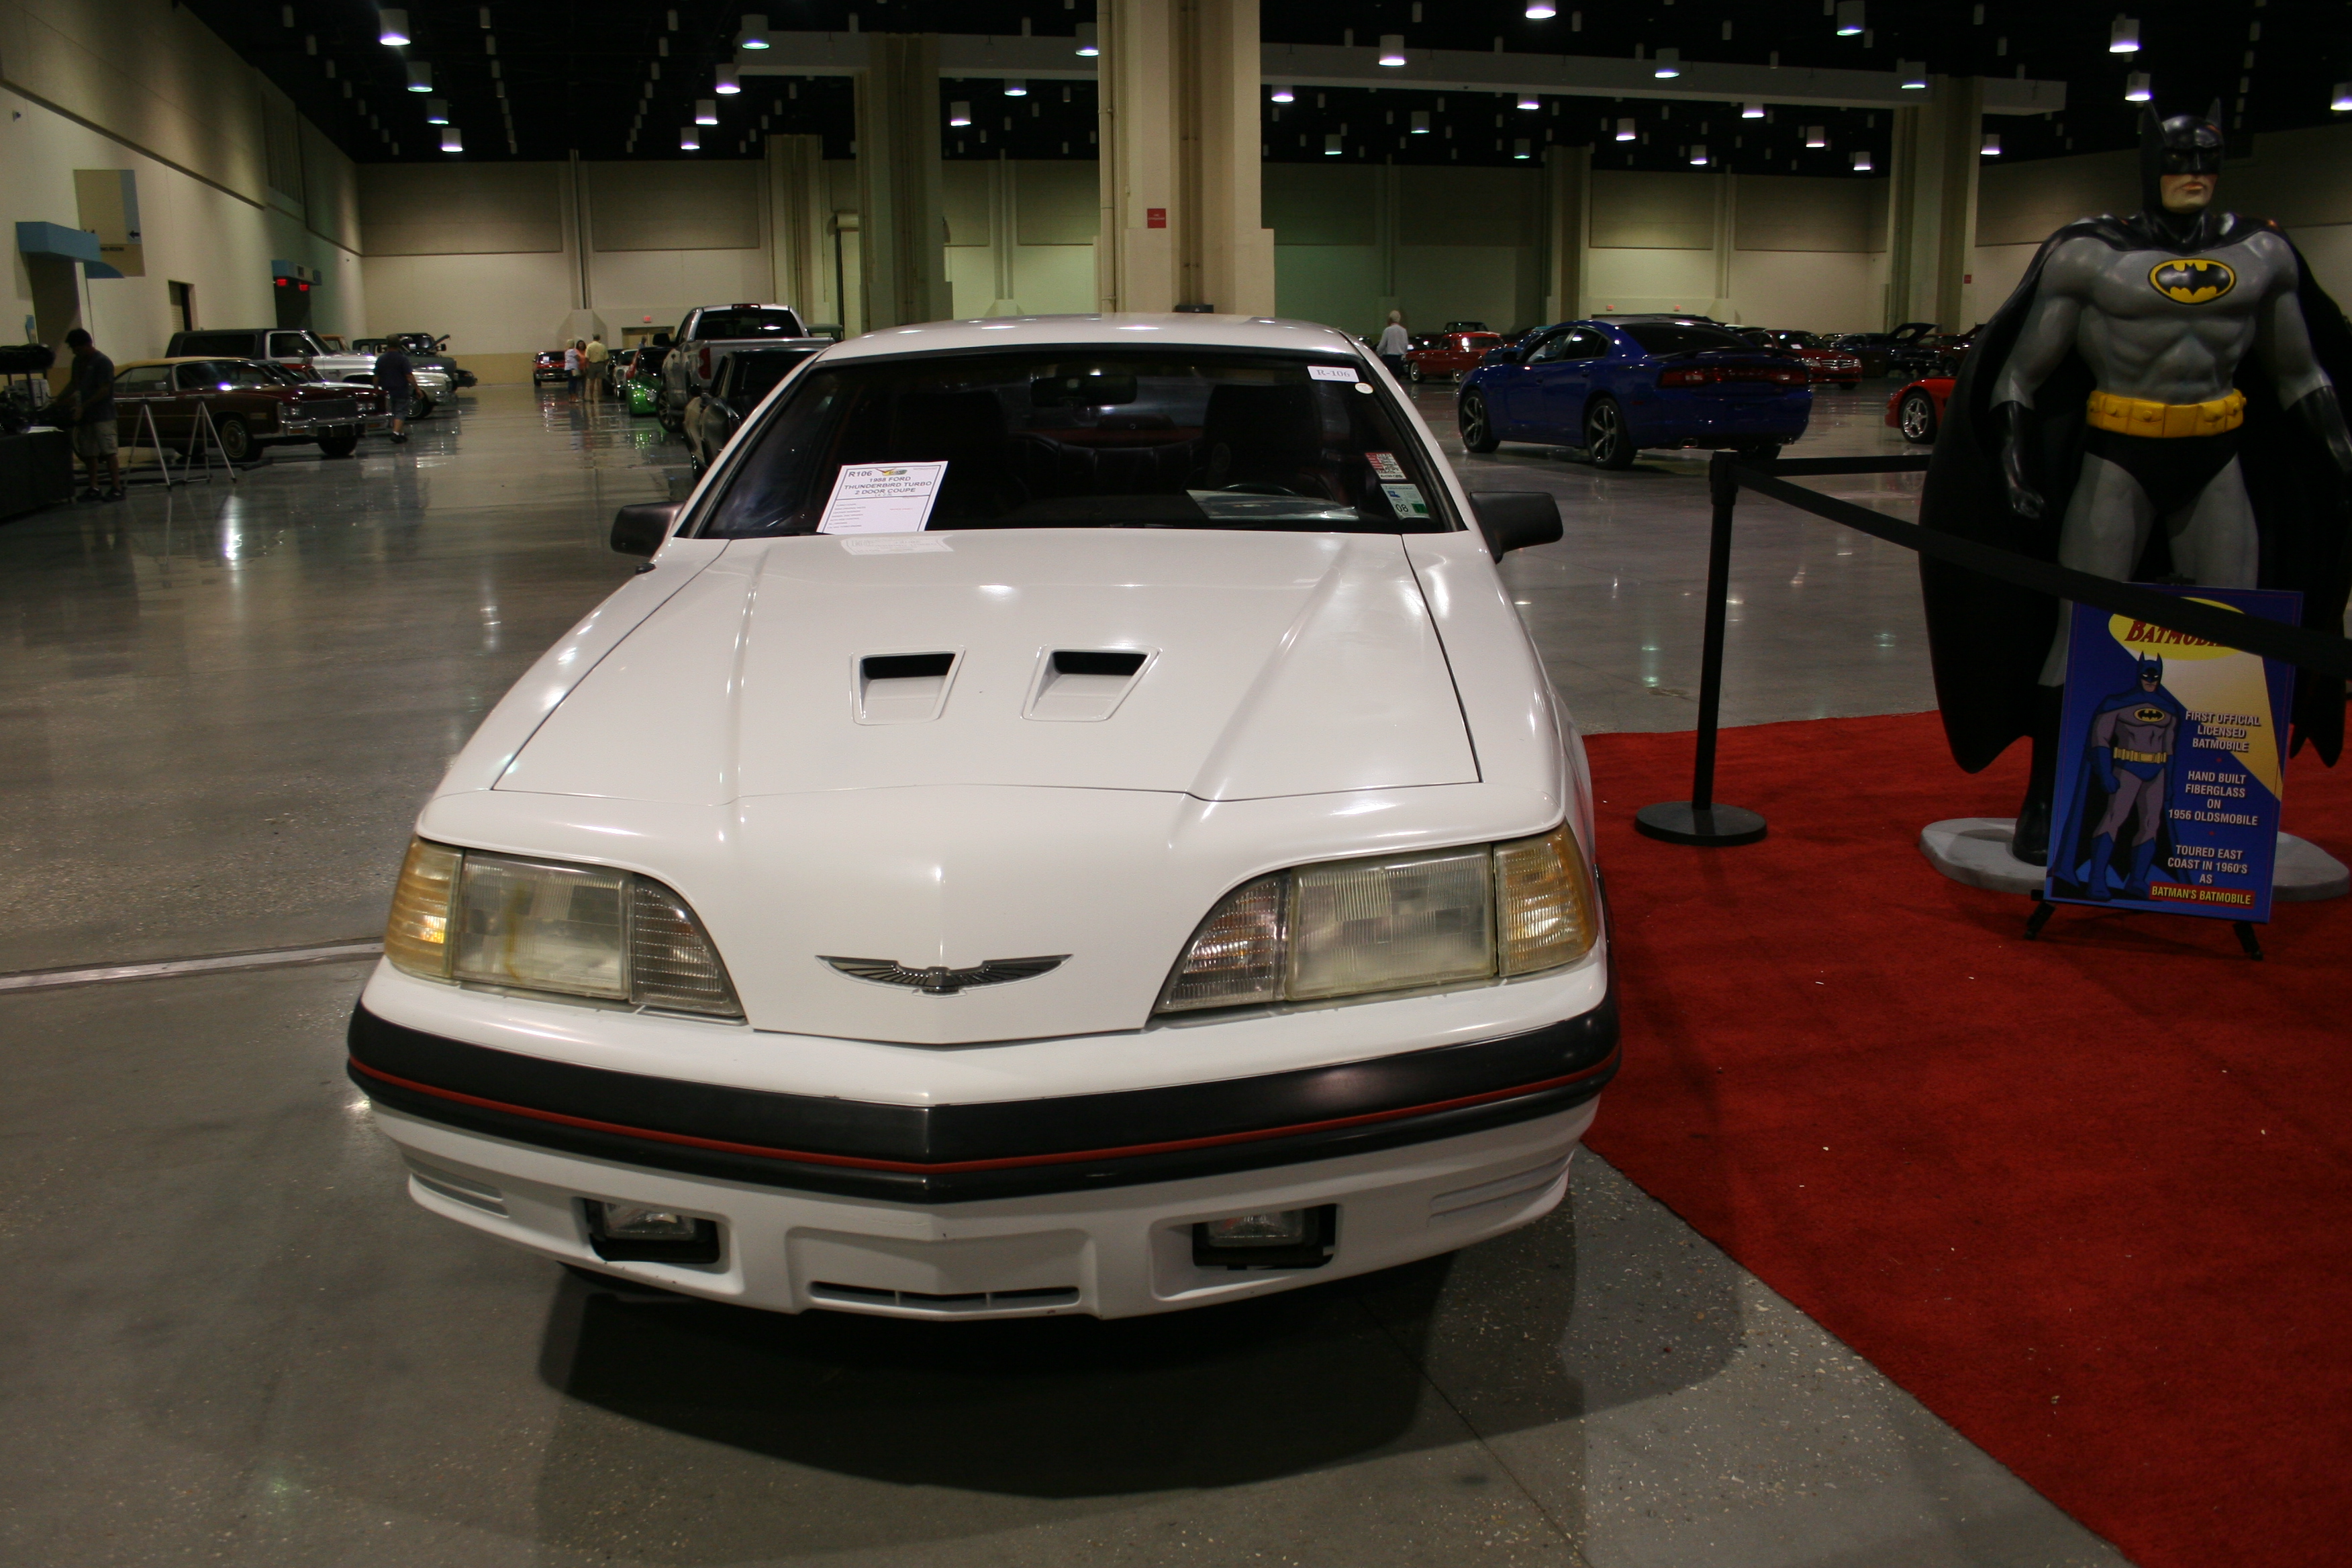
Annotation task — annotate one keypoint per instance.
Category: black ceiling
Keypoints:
(575, 75)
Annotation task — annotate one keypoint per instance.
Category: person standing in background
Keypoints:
(592, 365)
(90, 394)
(1392, 345)
(395, 375)
(571, 366)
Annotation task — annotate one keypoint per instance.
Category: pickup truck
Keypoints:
(710, 331)
(744, 376)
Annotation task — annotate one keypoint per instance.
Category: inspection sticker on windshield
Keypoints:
(1405, 500)
(1385, 465)
(1332, 372)
(882, 498)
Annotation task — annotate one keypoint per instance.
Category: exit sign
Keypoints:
(1155, 218)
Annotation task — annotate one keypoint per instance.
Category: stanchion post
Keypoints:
(1699, 820)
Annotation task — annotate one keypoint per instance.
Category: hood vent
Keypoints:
(1084, 684)
(904, 688)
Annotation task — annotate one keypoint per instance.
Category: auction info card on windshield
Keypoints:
(882, 498)
(2171, 761)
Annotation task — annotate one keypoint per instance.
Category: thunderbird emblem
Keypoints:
(940, 980)
(2193, 282)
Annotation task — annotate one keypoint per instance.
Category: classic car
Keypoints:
(1448, 354)
(637, 377)
(1877, 349)
(1822, 362)
(1614, 386)
(428, 353)
(547, 367)
(1931, 353)
(290, 346)
(1917, 409)
(744, 376)
(1066, 820)
(253, 402)
(432, 385)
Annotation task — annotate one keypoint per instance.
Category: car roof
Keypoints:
(1022, 331)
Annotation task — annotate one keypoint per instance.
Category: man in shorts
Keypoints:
(592, 365)
(396, 377)
(90, 397)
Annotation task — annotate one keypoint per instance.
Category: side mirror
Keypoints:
(639, 530)
(1513, 519)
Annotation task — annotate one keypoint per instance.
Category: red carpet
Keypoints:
(2089, 1198)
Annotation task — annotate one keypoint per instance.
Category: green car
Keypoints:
(640, 379)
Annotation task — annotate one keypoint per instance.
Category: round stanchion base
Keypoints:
(1677, 822)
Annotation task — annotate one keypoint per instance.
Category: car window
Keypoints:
(1679, 337)
(143, 380)
(249, 372)
(748, 323)
(289, 345)
(756, 374)
(188, 377)
(1554, 346)
(216, 343)
(1119, 436)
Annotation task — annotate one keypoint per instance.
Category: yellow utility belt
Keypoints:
(2139, 417)
(2124, 757)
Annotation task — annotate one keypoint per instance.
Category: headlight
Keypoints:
(538, 925)
(1345, 928)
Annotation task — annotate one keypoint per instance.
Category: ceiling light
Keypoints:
(2136, 90)
(706, 112)
(452, 139)
(727, 80)
(1669, 64)
(1862, 162)
(420, 76)
(1016, 87)
(1992, 148)
(2342, 100)
(1283, 95)
(1751, 112)
(958, 112)
(1392, 49)
(1530, 100)
(1698, 153)
(1086, 45)
(1912, 75)
(1624, 131)
(1816, 135)
(688, 141)
(1419, 122)
(1849, 18)
(1519, 148)
(2123, 38)
(392, 26)
(1542, 10)
(437, 111)
(755, 31)
(1331, 148)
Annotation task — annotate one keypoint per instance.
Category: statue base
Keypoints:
(1975, 850)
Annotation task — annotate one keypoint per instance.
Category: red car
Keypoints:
(548, 366)
(1917, 407)
(1448, 354)
(1822, 362)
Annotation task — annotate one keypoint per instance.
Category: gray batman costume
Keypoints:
(2169, 382)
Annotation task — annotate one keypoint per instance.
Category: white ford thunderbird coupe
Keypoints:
(1066, 820)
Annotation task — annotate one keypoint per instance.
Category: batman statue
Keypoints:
(2157, 402)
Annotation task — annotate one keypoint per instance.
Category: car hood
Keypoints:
(1275, 664)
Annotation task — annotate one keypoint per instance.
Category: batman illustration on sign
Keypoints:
(2126, 789)
(2156, 401)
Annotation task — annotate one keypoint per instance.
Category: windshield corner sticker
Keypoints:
(1332, 372)
(882, 498)
(1405, 500)
(1385, 465)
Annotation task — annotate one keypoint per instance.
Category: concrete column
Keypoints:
(902, 226)
(800, 246)
(1560, 231)
(1004, 195)
(1931, 208)
(1181, 222)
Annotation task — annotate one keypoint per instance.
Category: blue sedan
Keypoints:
(1614, 387)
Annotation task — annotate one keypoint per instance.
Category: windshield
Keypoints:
(1679, 337)
(748, 323)
(1085, 438)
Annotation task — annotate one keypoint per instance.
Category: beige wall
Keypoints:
(1023, 226)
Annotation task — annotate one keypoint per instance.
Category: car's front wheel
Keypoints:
(1477, 426)
(1917, 417)
(1606, 439)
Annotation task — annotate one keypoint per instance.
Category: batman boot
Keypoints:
(2030, 840)
(2143, 863)
(2103, 849)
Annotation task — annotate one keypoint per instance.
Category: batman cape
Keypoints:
(1986, 640)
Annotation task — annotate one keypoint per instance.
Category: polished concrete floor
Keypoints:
(232, 1341)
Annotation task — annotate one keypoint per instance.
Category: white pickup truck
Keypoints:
(710, 331)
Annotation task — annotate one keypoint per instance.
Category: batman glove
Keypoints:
(2018, 426)
(2324, 417)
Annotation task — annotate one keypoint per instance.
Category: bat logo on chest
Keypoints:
(2197, 280)
(2151, 715)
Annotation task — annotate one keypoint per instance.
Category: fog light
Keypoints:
(640, 1233)
(1277, 1239)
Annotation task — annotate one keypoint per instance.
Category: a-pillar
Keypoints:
(1567, 178)
(1931, 208)
(800, 212)
(1181, 221)
(901, 219)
